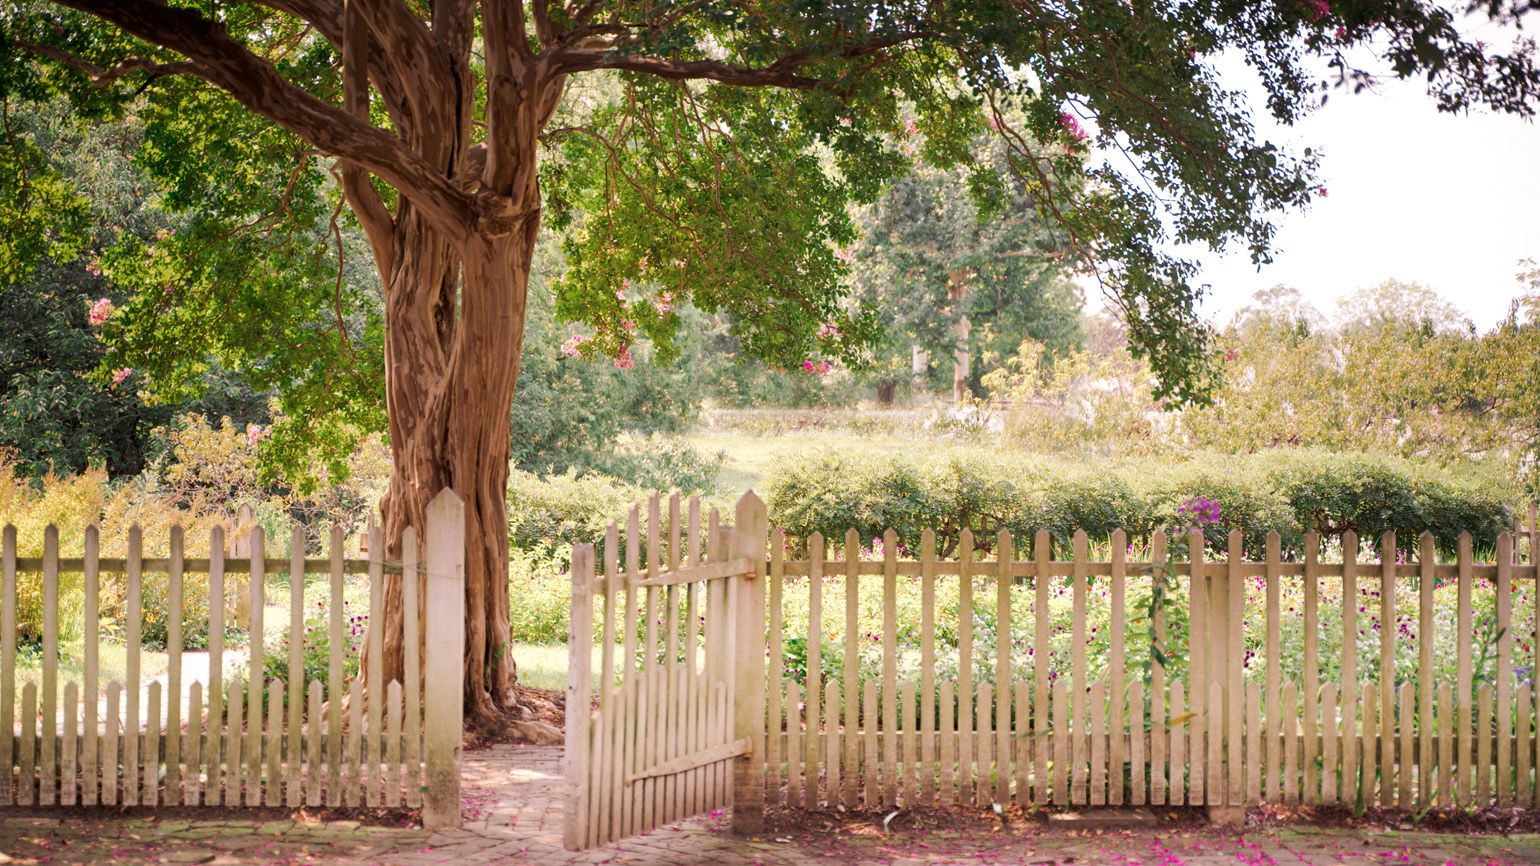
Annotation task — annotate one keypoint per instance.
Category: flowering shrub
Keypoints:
(317, 639)
(1289, 492)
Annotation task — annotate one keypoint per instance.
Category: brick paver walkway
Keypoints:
(513, 816)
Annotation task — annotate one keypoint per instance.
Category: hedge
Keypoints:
(1291, 492)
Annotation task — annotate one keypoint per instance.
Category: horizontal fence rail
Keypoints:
(218, 727)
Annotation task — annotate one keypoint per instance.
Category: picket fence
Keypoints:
(158, 741)
(705, 711)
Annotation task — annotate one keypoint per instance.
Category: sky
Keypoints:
(1450, 201)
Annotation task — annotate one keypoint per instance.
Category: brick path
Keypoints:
(513, 815)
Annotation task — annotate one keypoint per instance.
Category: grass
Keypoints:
(541, 666)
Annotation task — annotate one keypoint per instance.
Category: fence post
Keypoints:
(445, 693)
(748, 541)
(579, 677)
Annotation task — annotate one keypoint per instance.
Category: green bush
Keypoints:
(1371, 495)
(564, 510)
(663, 463)
(539, 595)
(1290, 492)
(1246, 502)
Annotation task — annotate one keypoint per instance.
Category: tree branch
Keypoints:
(100, 75)
(781, 73)
(256, 84)
(360, 193)
(326, 17)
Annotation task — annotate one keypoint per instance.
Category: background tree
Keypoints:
(945, 264)
(704, 181)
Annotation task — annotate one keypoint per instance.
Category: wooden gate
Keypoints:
(678, 726)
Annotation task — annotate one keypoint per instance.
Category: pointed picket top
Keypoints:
(446, 499)
(749, 504)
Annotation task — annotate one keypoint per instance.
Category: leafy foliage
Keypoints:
(1288, 491)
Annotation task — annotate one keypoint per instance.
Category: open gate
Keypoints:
(677, 727)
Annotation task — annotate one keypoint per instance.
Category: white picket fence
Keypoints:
(698, 706)
(212, 740)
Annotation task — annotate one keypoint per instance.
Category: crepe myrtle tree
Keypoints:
(709, 150)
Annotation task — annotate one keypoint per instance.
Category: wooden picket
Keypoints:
(1013, 721)
(209, 739)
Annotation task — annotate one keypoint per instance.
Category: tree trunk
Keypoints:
(957, 284)
(449, 388)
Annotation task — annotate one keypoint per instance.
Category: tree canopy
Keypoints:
(700, 152)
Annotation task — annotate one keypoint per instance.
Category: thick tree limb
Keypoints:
(365, 199)
(256, 84)
(326, 17)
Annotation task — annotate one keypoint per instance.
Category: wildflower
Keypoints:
(101, 311)
(623, 361)
(573, 347)
(120, 374)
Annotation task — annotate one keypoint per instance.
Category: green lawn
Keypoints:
(544, 666)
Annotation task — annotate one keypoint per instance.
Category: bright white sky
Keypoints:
(1450, 201)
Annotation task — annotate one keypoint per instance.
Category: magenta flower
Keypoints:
(1318, 9)
(623, 361)
(1072, 126)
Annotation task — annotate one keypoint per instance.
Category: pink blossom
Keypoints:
(120, 374)
(1321, 192)
(256, 433)
(911, 127)
(828, 330)
(573, 347)
(845, 121)
(1318, 9)
(1072, 126)
(101, 311)
(94, 268)
(664, 302)
(817, 368)
(623, 361)
(627, 325)
(1342, 33)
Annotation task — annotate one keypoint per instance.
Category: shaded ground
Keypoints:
(512, 809)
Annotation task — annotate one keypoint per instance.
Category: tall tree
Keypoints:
(939, 261)
(722, 173)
